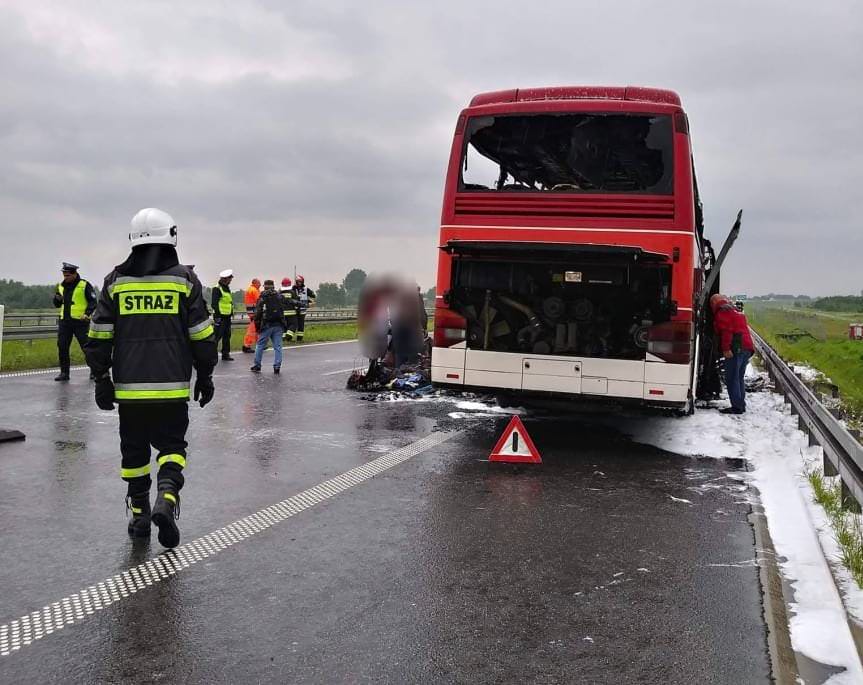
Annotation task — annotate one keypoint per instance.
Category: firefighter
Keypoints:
(223, 311)
(75, 300)
(250, 299)
(735, 345)
(304, 298)
(290, 309)
(152, 326)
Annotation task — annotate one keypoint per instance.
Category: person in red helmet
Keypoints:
(304, 298)
(290, 309)
(735, 345)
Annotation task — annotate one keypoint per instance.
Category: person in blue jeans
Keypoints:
(735, 345)
(271, 325)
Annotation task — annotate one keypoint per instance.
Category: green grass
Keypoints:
(828, 350)
(22, 355)
(846, 525)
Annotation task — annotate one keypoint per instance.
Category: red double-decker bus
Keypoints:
(571, 245)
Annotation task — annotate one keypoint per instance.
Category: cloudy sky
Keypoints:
(316, 134)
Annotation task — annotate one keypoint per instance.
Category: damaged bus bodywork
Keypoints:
(571, 247)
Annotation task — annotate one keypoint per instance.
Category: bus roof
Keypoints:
(632, 93)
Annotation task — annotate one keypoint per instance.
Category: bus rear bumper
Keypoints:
(650, 382)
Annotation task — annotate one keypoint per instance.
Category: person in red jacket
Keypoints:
(735, 345)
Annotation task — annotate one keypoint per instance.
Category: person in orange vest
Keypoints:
(250, 299)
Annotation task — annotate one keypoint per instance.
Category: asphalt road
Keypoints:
(425, 564)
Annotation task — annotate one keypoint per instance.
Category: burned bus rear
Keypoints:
(569, 255)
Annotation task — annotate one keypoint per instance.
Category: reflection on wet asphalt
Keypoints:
(610, 562)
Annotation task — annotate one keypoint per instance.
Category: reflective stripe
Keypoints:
(100, 335)
(151, 394)
(145, 287)
(162, 278)
(173, 458)
(177, 385)
(151, 391)
(101, 331)
(206, 333)
(201, 330)
(201, 326)
(168, 496)
(101, 327)
(135, 510)
(135, 473)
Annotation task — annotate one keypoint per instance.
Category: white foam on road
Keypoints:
(767, 437)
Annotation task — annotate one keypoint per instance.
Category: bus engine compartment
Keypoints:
(542, 299)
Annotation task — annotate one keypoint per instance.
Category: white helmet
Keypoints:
(152, 226)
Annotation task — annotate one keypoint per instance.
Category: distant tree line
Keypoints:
(15, 295)
(780, 296)
(838, 303)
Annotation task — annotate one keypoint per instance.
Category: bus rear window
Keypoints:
(569, 153)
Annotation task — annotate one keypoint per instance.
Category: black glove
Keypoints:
(204, 389)
(105, 393)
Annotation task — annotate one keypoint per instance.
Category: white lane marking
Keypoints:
(72, 609)
(333, 373)
(37, 372)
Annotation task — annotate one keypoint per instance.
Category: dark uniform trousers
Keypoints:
(66, 330)
(223, 333)
(162, 425)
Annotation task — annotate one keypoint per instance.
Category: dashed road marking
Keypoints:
(25, 630)
(37, 372)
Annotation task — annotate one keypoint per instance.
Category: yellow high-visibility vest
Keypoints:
(79, 301)
(226, 302)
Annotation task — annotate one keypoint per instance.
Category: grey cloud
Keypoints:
(346, 168)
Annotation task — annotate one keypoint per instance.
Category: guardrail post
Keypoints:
(848, 501)
(829, 469)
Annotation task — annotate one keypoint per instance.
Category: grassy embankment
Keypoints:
(826, 347)
(20, 355)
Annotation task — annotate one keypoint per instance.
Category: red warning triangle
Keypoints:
(515, 446)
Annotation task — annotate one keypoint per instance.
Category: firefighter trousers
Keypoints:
(301, 326)
(161, 425)
(66, 330)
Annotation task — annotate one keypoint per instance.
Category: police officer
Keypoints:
(152, 326)
(304, 298)
(223, 310)
(75, 300)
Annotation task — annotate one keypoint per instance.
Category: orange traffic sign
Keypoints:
(515, 445)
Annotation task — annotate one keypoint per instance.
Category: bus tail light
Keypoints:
(671, 341)
(449, 328)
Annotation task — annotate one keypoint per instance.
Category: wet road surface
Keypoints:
(611, 562)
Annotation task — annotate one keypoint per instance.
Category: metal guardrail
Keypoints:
(843, 453)
(36, 326)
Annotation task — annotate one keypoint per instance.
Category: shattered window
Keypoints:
(569, 153)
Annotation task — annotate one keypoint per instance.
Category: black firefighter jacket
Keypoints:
(152, 330)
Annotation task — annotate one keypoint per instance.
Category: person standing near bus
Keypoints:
(75, 300)
(223, 312)
(735, 346)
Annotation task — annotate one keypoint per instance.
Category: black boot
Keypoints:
(227, 358)
(165, 513)
(139, 505)
(62, 376)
